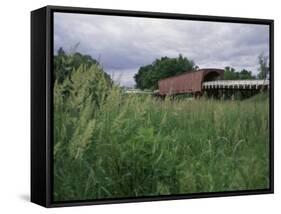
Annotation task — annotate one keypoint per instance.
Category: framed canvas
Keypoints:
(131, 106)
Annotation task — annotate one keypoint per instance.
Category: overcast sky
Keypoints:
(123, 44)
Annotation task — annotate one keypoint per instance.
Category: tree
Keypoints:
(148, 75)
(231, 74)
(263, 66)
(64, 64)
(245, 75)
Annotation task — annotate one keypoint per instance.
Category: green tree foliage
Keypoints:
(64, 64)
(148, 76)
(232, 74)
(263, 66)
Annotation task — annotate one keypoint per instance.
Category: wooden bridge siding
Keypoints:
(189, 82)
(185, 83)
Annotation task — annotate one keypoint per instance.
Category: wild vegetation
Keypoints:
(108, 144)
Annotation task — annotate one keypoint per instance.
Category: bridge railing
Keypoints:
(250, 84)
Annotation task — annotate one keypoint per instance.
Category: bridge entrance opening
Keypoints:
(212, 76)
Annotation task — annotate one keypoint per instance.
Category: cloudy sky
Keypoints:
(123, 44)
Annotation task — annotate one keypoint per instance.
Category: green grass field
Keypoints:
(111, 145)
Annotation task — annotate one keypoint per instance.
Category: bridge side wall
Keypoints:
(185, 83)
(190, 82)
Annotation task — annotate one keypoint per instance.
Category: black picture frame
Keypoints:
(42, 100)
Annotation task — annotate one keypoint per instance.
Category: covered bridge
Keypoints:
(188, 82)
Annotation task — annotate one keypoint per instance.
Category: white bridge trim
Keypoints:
(249, 84)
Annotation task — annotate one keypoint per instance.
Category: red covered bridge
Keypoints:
(188, 82)
(210, 81)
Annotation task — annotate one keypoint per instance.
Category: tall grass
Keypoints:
(110, 145)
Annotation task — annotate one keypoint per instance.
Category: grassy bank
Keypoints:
(108, 145)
